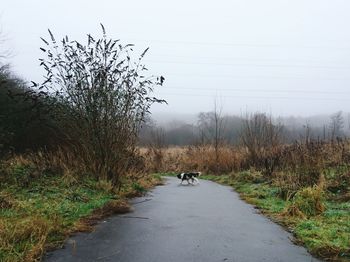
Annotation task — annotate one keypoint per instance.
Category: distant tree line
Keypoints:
(232, 127)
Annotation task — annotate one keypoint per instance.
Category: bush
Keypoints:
(309, 201)
(100, 98)
(248, 176)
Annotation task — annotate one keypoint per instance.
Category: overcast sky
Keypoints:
(280, 56)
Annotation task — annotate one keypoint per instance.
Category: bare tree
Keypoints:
(211, 127)
(1, 45)
(336, 124)
(219, 129)
(261, 137)
(156, 147)
(307, 128)
(4, 52)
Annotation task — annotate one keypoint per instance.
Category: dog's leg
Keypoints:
(197, 181)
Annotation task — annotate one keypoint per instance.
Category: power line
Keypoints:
(254, 77)
(250, 65)
(255, 45)
(243, 58)
(259, 97)
(258, 90)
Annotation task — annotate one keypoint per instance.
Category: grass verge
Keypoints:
(39, 216)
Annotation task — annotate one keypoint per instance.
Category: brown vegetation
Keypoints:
(203, 158)
(301, 163)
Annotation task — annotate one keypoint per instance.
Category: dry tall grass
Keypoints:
(202, 158)
(290, 167)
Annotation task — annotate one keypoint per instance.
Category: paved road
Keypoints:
(207, 222)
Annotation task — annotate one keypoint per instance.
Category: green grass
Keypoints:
(326, 235)
(44, 213)
(39, 214)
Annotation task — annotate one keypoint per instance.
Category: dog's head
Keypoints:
(180, 176)
(197, 174)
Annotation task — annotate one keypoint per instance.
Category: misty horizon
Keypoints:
(164, 119)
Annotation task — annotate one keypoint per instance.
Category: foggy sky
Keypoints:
(283, 57)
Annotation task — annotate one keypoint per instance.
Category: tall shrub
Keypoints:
(101, 96)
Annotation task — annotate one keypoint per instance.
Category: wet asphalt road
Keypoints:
(206, 222)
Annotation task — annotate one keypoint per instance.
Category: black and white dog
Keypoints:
(189, 176)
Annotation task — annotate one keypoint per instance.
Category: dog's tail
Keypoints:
(199, 174)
